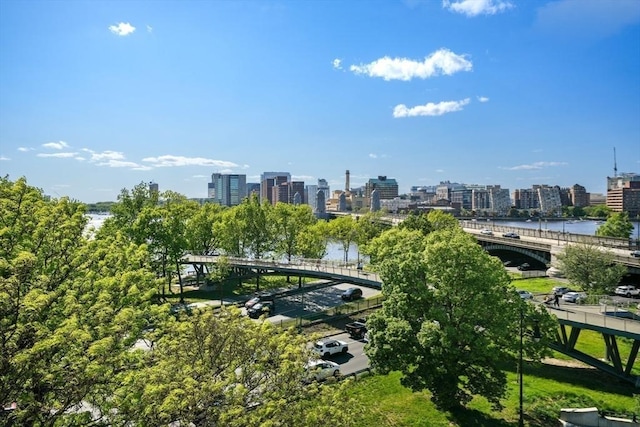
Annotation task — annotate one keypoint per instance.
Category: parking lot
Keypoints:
(314, 301)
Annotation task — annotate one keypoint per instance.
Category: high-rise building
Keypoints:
(623, 194)
(153, 187)
(323, 186)
(526, 198)
(268, 180)
(387, 187)
(549, 199)
(227, 189)
(310, 192)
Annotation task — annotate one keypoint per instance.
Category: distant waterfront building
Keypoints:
(323, 186)
(253, 187)
(579, 196)
(321, 205)
(227, 189)
(526, 198)
(623, 194)
(491, 200)
(375, 201)
(269, 180)
(549, 200)
(387, 187)
(310, 192)
(154, 187)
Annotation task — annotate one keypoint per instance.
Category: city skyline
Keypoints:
(100, 96)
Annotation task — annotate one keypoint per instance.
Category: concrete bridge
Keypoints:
(571, 319)
(544, 245)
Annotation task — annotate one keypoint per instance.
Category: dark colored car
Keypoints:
(263, 307)
(351, 294)
(511, 235)
(259, 297)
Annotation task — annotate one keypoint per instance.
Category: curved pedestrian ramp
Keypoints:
(611, 324)
(313, 268)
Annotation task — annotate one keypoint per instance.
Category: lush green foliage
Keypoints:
(438, 324)
(70, 308)
(590, 268)
(616, 225)
(74, 305)
(225, 369)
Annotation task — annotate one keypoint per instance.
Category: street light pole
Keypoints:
(521, 419)
(536, 337)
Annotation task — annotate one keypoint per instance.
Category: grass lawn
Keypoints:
(547, 389)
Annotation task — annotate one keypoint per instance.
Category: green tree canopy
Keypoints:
(450, 317)
(592, 269)
(70, 307)
(228, 370)
(616, 225)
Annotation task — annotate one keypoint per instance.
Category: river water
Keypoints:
(336, 253)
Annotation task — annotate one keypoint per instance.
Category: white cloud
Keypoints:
(105, 155)
(25, 149)
(122, 29)
(4, 158)
(472, 8)
(535, 166)
(171, 161)
(429, 109)
(149, 29)
(442, 61)
(337, 64)
(55, 145)
(58, 155)
(483, 99)
(373, 155)
(200, 176)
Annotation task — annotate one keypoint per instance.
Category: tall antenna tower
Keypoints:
(615, 163)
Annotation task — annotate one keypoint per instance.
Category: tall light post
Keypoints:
(536, 337)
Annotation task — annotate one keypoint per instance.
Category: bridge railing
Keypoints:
(558, 236)
(610, 317)
(350, 269)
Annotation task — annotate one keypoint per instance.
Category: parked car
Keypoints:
(258, 297)
(329, 347)
(627, 291)
(574, 297)
(524, 266)
(635, 254)
(524, 294)
(560, 290)
(318, 370)
(258, 309)
(351, 294)
(357, 329)
(487, 232)
(511, 235)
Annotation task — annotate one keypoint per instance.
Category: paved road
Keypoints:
(353, 361)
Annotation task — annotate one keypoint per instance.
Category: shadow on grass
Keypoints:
(590, 378)
(474, 418)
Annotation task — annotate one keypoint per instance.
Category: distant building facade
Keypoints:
(227, 189)
(579, 196)
(269, 180)
(387, 187)
(623, 194)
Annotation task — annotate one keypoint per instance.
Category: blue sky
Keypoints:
(100, 96)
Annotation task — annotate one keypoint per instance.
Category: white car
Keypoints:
(635, 254)
(319, 370)
(487, 232)
(524, 294)
(574, 297)
(627, 291)
(329, 347)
